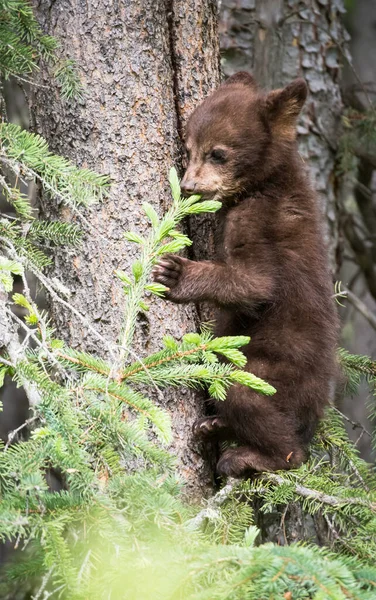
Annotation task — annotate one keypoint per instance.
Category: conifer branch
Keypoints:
(355, 424)
(12, 434)
(9, 341)
(319, 496)
(210, 511)
(151, 249)
(95, 429)
(163, 360)
(54, 290)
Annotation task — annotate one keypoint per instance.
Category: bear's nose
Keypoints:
(187, 187)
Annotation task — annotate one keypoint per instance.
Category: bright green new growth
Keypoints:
(153, 247)
(118, 528)
(106, 438)
(194, 362)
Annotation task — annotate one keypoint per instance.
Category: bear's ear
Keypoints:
(283, 107)
(242, 77)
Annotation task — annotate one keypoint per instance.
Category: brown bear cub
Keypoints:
(270, 278)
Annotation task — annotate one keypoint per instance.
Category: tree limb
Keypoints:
(334, 501)
(361, 307)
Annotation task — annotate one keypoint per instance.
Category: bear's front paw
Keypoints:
(168, 271)
(173, 272)
(208, 426)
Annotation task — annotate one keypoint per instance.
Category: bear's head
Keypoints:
(239, 136)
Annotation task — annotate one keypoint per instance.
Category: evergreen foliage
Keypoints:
(23, 44)
(90, 423)
(25, 158)
(118, 522)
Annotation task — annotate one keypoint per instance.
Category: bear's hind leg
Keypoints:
(238, 462)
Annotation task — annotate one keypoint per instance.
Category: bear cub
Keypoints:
(270, 278)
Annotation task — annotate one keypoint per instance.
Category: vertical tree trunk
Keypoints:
(144, 64)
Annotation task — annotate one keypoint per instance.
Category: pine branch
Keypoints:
(320, 497)
(54, 289)
(363, 364)
(9, 341)
(28, 153)
(23, 45)
(151, 249)
(355, 424)
(98, 433)
(210, 511)
(13, 434)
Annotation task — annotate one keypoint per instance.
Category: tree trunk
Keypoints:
(144, 65)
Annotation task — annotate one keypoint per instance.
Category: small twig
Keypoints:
(161, 361)
(29, 81)
(43, 584)
(355, 277)
(83, 566)
(15, 166)
(4, 184)
(355, 424)
(52, 290)
(41, 323)
(9, 340)
(359, 437)
(361, 307)
(32, 335)
(356, 470)
(6, 362)
(337, 536)
(339, 295)
(119, 377)
(12, 434)
(212, 505)
(282, 524)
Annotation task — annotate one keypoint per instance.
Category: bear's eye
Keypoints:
(218, 156)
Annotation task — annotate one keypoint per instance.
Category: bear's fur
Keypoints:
(270, 279)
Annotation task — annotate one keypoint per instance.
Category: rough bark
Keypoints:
(144, 64)
(279, 40)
